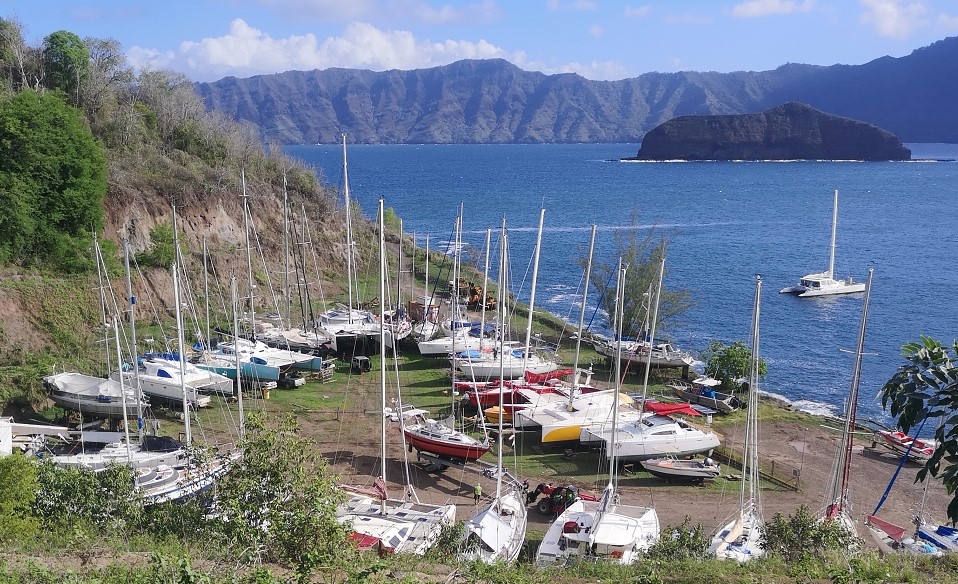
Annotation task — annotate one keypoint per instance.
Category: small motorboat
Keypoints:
(917, 449)
(681, 469)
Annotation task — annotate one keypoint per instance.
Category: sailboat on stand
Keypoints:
(740, 538)
(605, 529)
(651, 431)
(390, 525)
(838, 507)
(497, 531)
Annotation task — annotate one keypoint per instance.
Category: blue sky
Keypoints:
(210, 39)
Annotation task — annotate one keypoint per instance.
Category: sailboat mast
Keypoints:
(831, 249)
(182, 355)
(398, 304)
(286, 236)
(850, 419)
(750, 452)
(206, 290)
(382, 348)
(585, 295)
(501, 309)
(532, 291)
(100, 269)
(239, 378)
(249, 263)
(131, 299)
(119, 359)
(613, 454)
(349, 236)
(655, 314)
(482, 295)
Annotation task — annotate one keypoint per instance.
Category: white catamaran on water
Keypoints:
(824, 283)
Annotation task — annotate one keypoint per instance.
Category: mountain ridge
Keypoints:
(494, 101)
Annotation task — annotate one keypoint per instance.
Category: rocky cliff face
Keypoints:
(493, 101)
(792, 131)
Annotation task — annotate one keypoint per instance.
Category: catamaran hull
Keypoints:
(804, 292)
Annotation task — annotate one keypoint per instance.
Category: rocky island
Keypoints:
(792, 131)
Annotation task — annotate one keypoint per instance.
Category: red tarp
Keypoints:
(667, 409)
(893, 531)
(543, 377)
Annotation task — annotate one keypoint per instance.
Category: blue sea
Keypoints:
(727, 222)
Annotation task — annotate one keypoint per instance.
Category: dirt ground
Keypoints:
(809, 450)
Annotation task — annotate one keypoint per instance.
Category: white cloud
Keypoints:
(637, 11)
(246, 51)
(596, 31)
(894, 18)
(598, 70)
(573, 5)
(759, 8)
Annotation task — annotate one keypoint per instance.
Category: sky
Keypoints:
(207, 40)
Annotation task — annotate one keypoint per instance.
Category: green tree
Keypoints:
(279, 502)
(81, 497)
(643, 256)
(681, 542)
(52, 182)
(802, 536)
(66, 61)
(18, 488)
(730, 363)
(161, 253)
(926, 389)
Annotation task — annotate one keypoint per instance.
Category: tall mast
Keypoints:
(100, 269)
(382, 351)
(119, 359)
(655, 314)
(249, 263)
(839, 490)
(482, 296)
(398, 286)
(289, 305)
(349, 236)
(831, 249)
(206, 290)
(585, 295)
(532, 291)
(131, 299)
(750, 445)
(239, 378)
(609, 493)
(501, 308)
(182, 355)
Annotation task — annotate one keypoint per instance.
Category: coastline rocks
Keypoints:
(793, 131)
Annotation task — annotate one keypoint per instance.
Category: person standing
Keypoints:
(477, 493)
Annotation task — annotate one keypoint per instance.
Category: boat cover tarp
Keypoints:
(896, 532)
(543, 377)
(667, 409)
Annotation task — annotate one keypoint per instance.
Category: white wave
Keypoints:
(803, 405)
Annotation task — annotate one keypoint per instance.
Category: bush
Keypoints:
(803, 536)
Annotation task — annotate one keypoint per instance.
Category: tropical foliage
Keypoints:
(643, 256)
(52, 182)
(279, 503)
(803, 536)
(730, 363)
(925, 390)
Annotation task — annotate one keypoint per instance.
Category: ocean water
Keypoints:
(727, 222)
